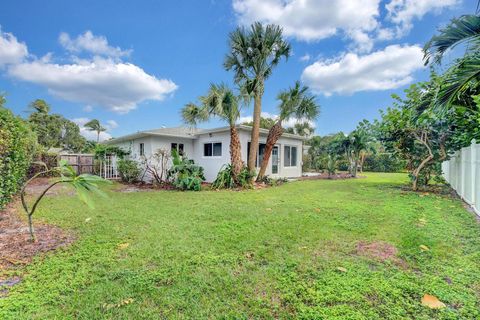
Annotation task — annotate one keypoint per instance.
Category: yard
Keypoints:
(352, 249)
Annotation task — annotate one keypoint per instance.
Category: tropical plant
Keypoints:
(156, 165)
(224, 179)
(94, 125)
(220, 102)
(254, 53)
(17, 148)
(128, 170)
(265, 123)
(465, 72)
(83, 184)
(296, 102)
(54, 130)
(331, 165)
(184, 173)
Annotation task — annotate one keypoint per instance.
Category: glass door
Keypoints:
(275, 160)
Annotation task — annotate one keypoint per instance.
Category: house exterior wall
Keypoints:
(194, 149)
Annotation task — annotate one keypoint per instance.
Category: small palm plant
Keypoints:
(83, 184)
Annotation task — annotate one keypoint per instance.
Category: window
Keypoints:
(290, 156)
(178, 147)
(212, 149)
(260, 153)
(142, 149)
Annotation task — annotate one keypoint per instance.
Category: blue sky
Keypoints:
(134, 64)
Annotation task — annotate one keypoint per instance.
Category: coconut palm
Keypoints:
(458, 80)
(253, 55)
(296, 102)
(94, 125)
(220, 102)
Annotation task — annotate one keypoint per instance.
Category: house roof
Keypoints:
(189, 133)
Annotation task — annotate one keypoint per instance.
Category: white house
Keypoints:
(210, 148)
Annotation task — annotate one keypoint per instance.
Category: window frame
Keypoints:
(141, 149)
(289, 153)
(212, 149)
(180, 147)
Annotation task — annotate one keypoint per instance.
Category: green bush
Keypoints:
(185, 174)
(225, 179)
(383, 162)
(128, 170)
(17, 146)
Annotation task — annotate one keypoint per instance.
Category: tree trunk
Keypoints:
(416, 172)
(235, 152)
(30, 228)
(273, 135)
(257, 110)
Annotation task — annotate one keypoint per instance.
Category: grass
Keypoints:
(270, 253)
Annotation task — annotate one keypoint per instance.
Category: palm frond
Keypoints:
(465, 29)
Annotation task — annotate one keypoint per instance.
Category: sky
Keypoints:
(134, 64)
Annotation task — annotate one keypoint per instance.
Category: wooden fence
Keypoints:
(81, 163)
(462, 172)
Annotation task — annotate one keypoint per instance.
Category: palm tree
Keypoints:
(296, 102)
(40, 106)
(253, 55)
(221, 102)
(463, 30)
(303, 129)
(94, 125)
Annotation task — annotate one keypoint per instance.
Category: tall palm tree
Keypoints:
(220, 102)
(296, 102)
(253, 54)
(40, 106)
(94, 125)
(463, 30)
(303, 129)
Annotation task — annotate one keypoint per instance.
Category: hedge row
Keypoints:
(17, 146)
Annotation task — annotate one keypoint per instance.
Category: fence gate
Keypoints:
(81, 163)
(108, 167)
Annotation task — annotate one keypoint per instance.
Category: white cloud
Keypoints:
(305, 57)
(312, 19)
(381, 70)
(359, 21)
(92, 135)
(88, 108)
(111, 124)
(11, 51)
(88, 42)
(403, 12)
(117, 86)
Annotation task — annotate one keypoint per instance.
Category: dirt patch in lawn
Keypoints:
(380, 251)
(16, 249)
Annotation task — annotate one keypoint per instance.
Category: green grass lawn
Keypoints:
(270, 253)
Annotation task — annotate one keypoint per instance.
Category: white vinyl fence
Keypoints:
(462, 171)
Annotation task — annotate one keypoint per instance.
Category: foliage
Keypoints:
(184, 173)
(17, 147)
(384, 162)
(95, 125)
(156, 166)
(54, 130)
(249, 255)
(253, 55)
(273, 181)
(83, 184)
(101, 150)
(331, 164)
(43, 158)
(265, 123)
(128, 170)
(224, 179)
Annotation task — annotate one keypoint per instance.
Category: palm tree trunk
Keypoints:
(98, 136)
(257, 110)
(235, 152)
(273, 135)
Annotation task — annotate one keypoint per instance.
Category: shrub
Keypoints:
(42, 158)
(128, 170)
(17, 146)
(383, 162)
(273, 181)
(185, 174)
(225, 178)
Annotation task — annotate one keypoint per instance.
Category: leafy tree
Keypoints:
(265, 123)
(296, 102)
(94, 125)
(220, 102)
(53, 130)
(254, 53)
(83, 184)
